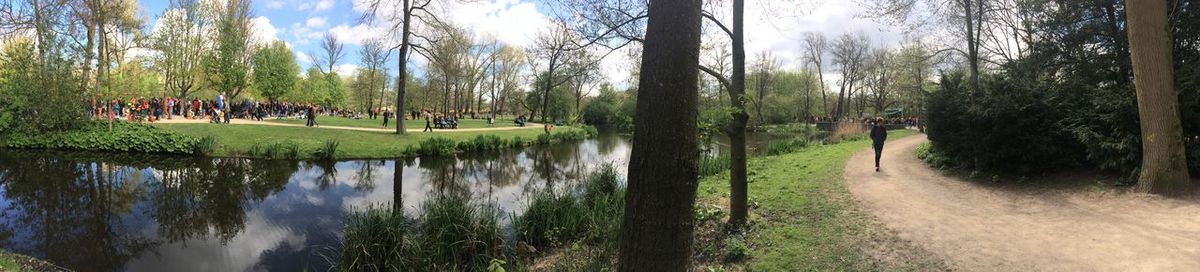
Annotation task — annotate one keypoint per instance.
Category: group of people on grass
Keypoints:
(217, 109)
(155, 109)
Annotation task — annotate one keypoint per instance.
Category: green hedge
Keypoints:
(96, 136)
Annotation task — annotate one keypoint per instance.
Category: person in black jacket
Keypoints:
(878, 136)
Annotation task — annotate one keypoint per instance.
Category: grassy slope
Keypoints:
(237, 139)
(377, 123)
(806, 219)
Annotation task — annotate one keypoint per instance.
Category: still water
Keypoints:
(138, 212)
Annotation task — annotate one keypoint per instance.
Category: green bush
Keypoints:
(714, 165)
(786, 146)
(436, 146)
(483, 142)
(543, 139)
(453, 234)
(459, 235)
(327, 150)
(1009, 126)
(95, 136)
(590, 212)
(276, 150)
(375, 240)
(735, 248)
(205, 146)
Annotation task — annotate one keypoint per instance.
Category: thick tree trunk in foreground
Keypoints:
(738, 194)
(1164, 165)
(658, 222)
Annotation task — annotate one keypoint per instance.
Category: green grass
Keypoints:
(378, 123)
(240, 140)
(804, 218)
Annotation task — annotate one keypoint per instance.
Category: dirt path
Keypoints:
(251, 122)
(978, 227)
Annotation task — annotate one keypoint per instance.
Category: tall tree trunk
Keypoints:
(549, 87)
(972, 41)
(402, 58)
(1164, 164)
(738, 194)
(659, 216)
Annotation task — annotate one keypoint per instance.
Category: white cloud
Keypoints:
(274, 4)
(323, 5)
(303, 57)
(263, 31)
(315, 22)
(346, 70)
(511, 21)
(357, 34)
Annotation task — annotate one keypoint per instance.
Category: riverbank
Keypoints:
(12, 262)
(244, 140)
(286, 141)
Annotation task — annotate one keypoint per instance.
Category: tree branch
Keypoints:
(720, 78)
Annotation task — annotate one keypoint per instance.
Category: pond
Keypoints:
(138, 212)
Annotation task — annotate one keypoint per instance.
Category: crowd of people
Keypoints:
(220, 110)
(216, 110)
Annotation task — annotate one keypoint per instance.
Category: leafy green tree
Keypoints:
(228, 67)
(275, 70)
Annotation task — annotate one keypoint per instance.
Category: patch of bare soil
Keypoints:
(976, 226)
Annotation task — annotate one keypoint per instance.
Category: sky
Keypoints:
(771, 25)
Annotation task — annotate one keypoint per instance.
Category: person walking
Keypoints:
(428, 124)
(878, 136)
(308, 115)
(385, 118)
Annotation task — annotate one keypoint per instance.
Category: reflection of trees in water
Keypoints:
(364, 177)
(444, 175)
(606, 142)
(70, 213)
(71, 208)
(328, 173)
(210, 196)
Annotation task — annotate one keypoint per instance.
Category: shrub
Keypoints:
(735, 248)
(95, 136)
(1008, 126)
(543, 139)
(276, 150)
(786, 146)
(713, 165)
(458, 235)
(436, 146)
(590, 212)
(327, 150)
(375, 240)
(482, 143)
(205, 146)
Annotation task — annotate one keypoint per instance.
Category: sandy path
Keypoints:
(983, 228)
(393, 129)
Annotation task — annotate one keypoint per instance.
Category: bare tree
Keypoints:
(332, 52)
(815, 46)
(374, 55)
(973, 16)
(398, 15)
(553, 47)
(849, 53)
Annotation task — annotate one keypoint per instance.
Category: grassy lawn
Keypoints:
(235, 140)
(377, 123)
(804, 219)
